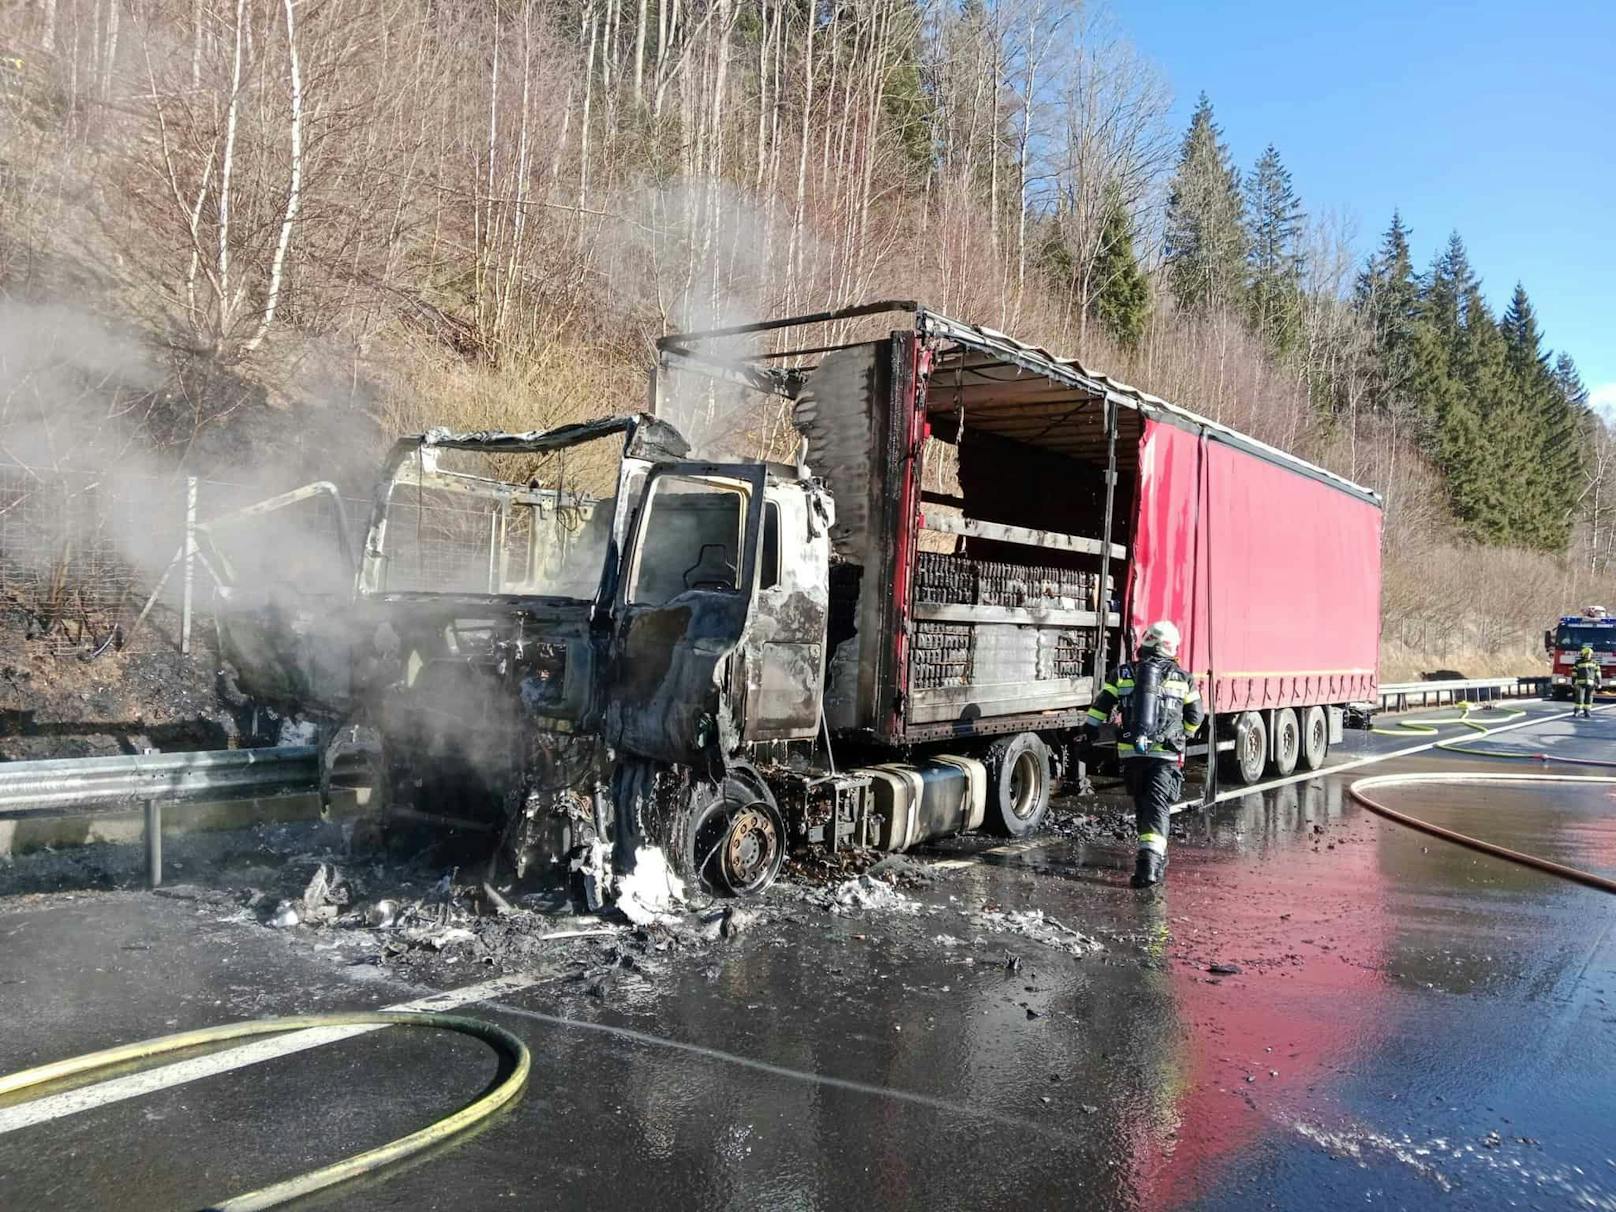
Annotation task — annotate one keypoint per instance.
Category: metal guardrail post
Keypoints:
(189, 569)
(154, 843)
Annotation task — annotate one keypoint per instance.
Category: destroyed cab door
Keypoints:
(683, 604)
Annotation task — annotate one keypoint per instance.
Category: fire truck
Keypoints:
(1593, 628)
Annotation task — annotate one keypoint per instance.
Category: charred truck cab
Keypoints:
(571, 638)
(584, 641)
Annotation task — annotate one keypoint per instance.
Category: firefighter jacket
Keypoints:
(1178, 710)
(1586, 673)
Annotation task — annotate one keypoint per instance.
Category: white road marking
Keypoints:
(148, 1081)
(800, 1075)
(1371, 759)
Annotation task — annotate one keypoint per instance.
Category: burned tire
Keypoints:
(1244, 763)
(1287, 742)
(1315, 737)
(730, 839)
(1019, 780)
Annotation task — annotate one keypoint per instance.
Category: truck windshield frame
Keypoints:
(1601, 638)
(473, 520)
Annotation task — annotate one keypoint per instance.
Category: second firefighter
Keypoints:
(1586, 681)
(1159, 709)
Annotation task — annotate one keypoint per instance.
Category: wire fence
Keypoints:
(83, 556)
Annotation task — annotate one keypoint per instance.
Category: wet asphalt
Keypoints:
(1408, 1025)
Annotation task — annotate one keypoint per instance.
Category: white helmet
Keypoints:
(1163, 637)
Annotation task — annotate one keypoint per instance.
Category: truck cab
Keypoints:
(572, 641)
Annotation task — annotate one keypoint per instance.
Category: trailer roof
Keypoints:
(1015, 406)
(1036, 361)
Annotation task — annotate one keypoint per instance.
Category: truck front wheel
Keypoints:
(729, 839)
(1244, 763)
(1018, 784)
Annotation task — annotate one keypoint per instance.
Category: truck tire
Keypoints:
(1287, 742)
(1018, 784)
(1315, 737)
(728, 839)
(1243, 765)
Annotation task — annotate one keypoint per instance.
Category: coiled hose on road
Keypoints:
(513, 1050)
(1466, 745)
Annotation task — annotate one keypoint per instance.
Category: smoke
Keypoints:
(94, 495)
(71, 388)
(699, 254)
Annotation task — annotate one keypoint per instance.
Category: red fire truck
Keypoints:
(1593, 628)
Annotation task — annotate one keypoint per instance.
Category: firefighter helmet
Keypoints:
(1587, 652)
(1163, 637)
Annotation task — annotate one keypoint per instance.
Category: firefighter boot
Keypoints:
(1149, 869)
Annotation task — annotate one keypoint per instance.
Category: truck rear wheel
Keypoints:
(1018, 784)
(1315, 738)
(1287, 742)
(1245, 762)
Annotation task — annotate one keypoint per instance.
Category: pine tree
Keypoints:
(1121, 293)
(1274, 261)
(1387, 295)
(1568, 381)
(1439, 328)
(1460, 384)
(1495, 491)
(1553, 433)
(1527, 361)
(1205, 248)
(910, 106)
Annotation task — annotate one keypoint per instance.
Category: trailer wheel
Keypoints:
(1244, 763)
(1315, 738)
(1287, 742)
(1018, 784)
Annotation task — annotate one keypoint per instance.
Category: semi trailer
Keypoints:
(591, 639)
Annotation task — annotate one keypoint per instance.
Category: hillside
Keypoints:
(254, 238)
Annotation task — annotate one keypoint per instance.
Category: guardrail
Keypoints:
(79, 786)
(1400, 696)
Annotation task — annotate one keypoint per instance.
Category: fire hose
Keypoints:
(510, 1048)
(1467, 745)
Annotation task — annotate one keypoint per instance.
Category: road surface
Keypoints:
(1409, 1025)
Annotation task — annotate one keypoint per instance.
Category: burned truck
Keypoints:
(587, 641)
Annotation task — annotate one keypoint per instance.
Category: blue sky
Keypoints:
(1496, 119)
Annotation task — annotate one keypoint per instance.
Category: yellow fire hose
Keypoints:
(501, 1040)
(1432, 727)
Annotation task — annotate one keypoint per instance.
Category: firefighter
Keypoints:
(1585, 680)
(1159, 708)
